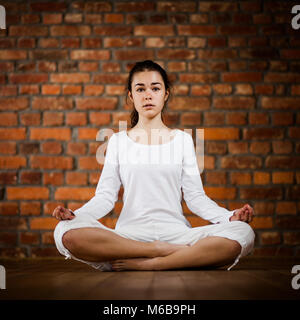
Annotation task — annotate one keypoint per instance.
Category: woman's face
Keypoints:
(148, 88)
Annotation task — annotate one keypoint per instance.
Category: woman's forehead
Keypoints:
(147, 77)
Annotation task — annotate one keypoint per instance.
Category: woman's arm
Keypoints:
(108, 185)
(193, 193)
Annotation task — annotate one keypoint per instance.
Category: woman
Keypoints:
(152, 233)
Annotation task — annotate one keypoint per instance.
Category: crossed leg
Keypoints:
(210, 251)
(100, 245)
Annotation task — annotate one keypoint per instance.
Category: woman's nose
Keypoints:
(148, 93)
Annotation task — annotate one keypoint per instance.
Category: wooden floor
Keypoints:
(253, 278)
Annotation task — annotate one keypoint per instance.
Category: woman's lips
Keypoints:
(148, 106)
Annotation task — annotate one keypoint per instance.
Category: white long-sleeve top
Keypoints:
(154, 177)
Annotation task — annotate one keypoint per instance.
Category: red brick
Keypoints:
(214, 118)
(8, 119)
(49, 54)
(8, 238)
(220, 193)
(50, 89)
(282, 77)
(263, 133)
(291, 238)
(30, 208)
(28, 177)
(176, 54)
(258, 118)
(12, 134)
(282, 118)
(286, 207)
(191, 118)
(96, 103)
(217, 54)
(29, 238)
(70, 77)
(280, 103)
(51, 147)
(44, 162)
(118, 31)
(12, 223)
(99, 118)
(9, 208)
(154, 30)
(268, 193)
(51, 103)
(8, 148)
(66, 193)
(76, 178)
(13, 103)
(133, 54)
(43, 223)
(29, 119)
(216, 178)
(282, 177)
(221, 133)
(93, 90)
(242, 77)
(267, 238)
(22, 193)
(52, 18)
(87, 133)
(78, 30)
(192, 30)
(218, 6)
(234, 103)
(241, 162)
(50, 133)
(261, 178)
(284, 146)
(262, 223)
(76, 118)
(89, 163)
(134, 6)
(90, 54)
(72, 90)
(213, 147)
(53, 178)
(282, 162)
(189, 103)
(92, 6)
(12, 162)
(238, 147)
(110, 78)
(240, 178)
(34, 31)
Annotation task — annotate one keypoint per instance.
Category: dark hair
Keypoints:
(147, 65)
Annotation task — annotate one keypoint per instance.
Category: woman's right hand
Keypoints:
(62, 213)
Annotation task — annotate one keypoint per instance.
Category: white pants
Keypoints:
(171, 233)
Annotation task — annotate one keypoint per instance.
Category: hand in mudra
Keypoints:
(245, 214)
(62, 213)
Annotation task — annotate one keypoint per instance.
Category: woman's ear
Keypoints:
(130, 96)
(167, 95)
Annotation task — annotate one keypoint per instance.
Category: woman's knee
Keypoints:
(70, 239)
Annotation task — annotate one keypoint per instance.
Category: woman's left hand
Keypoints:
(243, 214)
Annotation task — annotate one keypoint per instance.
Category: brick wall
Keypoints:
(63, 67)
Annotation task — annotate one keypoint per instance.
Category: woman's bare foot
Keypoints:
(164, 248)
(134, 264)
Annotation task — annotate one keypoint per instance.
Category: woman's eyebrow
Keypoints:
(142, 84)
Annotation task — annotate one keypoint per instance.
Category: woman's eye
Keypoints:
(139, 89)
(155, 89)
